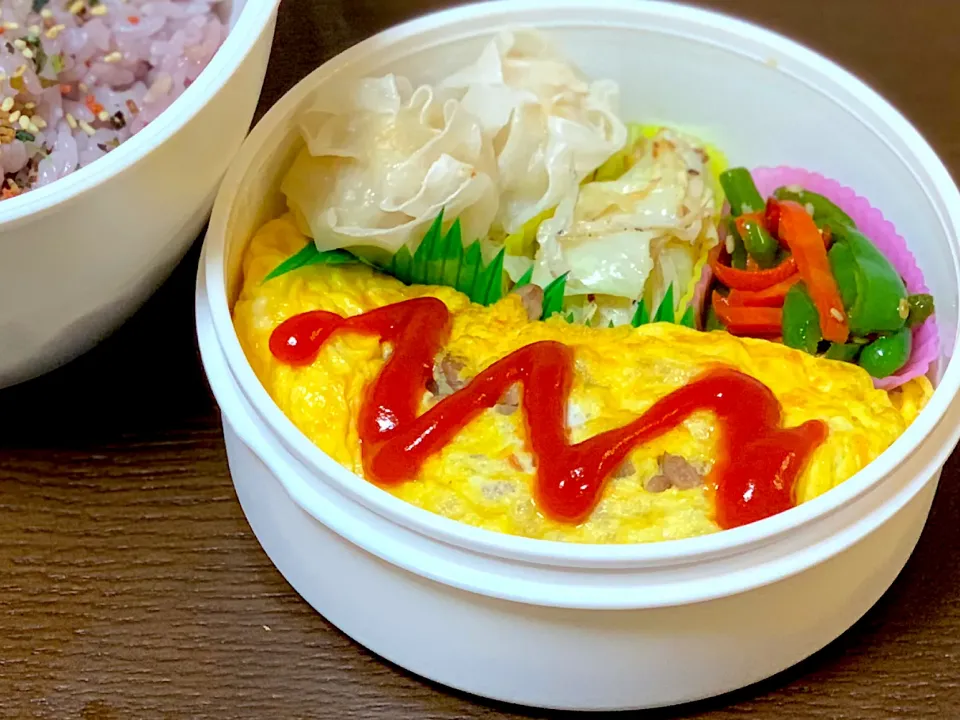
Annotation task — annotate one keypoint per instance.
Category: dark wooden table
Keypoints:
(131, 586)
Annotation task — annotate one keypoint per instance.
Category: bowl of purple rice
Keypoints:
(118, 119)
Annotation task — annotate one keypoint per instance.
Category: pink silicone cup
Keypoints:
(870, 221)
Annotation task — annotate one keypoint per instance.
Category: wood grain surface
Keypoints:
(131, 586)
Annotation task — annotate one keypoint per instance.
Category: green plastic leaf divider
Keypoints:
(441, 259)
(426, 252)
(489, 287)
(401, 266)
(435, 261)
(469, 270)
(665, 312)
(452, 255)
(642, 315)
(553, 296)
(525, 278)
(309, 255)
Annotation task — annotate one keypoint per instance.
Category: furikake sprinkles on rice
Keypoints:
(79, 77)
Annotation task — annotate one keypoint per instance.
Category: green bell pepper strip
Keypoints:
(801, 321)
(824, 211)
(872, 290)
(844, 268)
(741, 192)
(921, 307)
(887, 354)
(879, 297)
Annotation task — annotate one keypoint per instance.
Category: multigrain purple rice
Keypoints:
(79, 77)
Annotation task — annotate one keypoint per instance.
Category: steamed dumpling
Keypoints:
(496, 144)
(550, 127)
(381, 163)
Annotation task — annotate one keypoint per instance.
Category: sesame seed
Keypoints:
(34, 128)
(11, 25)
(20, 71)
(99, 10)
(83, 87)
(86, 127)
(34, 29)
(836, 314)
(29, 106)
(53, 32)
(19, 44)
(71, 121)
(903, 309)
(46, 13)
(78, 7)
(15, 115)
(7, 104)
(39, 122)
(103, 116)
(24, 122)
(115, 56)
(27, 53)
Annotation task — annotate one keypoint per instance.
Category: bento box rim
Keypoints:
(239, 43)
(523, 13)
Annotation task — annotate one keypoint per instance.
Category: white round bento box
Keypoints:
(81, 255)
(577, 626)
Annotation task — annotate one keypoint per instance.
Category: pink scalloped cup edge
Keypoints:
(872, 223)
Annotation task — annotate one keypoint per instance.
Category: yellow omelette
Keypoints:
(485, 476)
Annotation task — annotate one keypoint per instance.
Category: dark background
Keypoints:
(131, 586)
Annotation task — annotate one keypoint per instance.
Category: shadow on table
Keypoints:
(146, 378)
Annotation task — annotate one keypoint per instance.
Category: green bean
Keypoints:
(761, 245)
(741, 192)
(887, 354)
(738, 258)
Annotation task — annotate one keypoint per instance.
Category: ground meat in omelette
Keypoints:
(485, 476)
